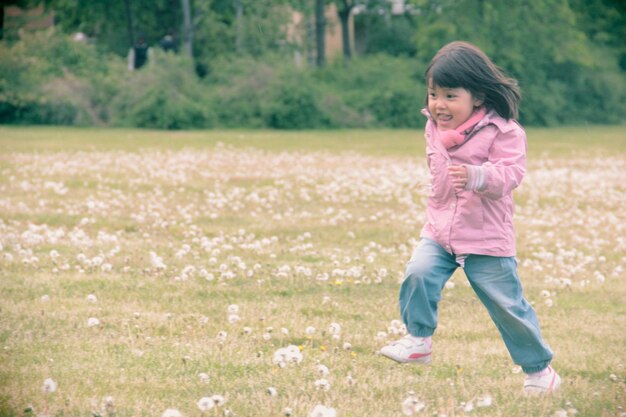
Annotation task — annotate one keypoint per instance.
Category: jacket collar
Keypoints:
(492, 117)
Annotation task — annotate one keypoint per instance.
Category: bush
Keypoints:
(295, 103)
(48, 78)
(166, 94)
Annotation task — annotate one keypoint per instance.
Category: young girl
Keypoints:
(476, 155)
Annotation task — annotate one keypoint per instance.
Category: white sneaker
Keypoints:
(544, 384)
(409, 349)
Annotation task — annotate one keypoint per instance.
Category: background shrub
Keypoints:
(47, 78)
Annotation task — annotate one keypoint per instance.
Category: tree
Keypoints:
(320, 32)
(344, 9)
(112, 24)
(187, 28)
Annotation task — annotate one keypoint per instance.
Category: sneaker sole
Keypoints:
(424, 359)
(536, 390)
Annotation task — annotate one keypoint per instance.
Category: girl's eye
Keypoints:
(451, 96)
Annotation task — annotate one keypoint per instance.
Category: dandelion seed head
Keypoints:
(218, 400)
(93, 322)
(171, 412)
(322, 370)
(334, 328)
(205, 404)
(323, 411)
(484, 401)
(322, 384)
(49, 386)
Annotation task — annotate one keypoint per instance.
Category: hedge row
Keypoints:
(46, 78)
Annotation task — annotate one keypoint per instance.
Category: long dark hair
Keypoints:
(461, 64)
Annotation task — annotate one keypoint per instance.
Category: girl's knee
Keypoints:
(416, 272)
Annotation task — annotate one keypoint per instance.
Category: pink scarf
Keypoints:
(455, 137)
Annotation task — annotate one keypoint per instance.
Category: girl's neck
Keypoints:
(456, 136)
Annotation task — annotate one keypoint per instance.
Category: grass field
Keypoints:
(143, 271)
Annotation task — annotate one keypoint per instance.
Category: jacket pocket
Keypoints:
(438, 167)
(470, 218)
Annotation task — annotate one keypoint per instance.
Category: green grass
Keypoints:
(303, 225)
(373, 142)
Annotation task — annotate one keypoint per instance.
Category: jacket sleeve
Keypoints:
(506, 165)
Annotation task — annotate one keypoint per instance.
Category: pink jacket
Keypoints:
(476, 222)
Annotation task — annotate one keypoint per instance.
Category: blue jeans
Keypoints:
(495, 281)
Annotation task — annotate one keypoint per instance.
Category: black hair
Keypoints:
(463, 65)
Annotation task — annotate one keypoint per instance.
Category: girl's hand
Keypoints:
(458, 175)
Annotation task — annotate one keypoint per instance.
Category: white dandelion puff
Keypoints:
(49, 386)
(204, 377)
(350, 381)
(334, 328)
(93, 322)
(412, 405)
(322, 370)
(157, 262)
(233, 309)
(218, 400)
(467, 407)
(322, 384)
(171, 412)
(205, 404)
(284, 356)
(323, 411)
(92, 298)
(484, 401)
(272, 392)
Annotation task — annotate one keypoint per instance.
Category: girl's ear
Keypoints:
(479, 100)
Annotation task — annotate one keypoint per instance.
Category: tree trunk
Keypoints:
(320, 32)
(129, 23)
(239, 26)
(1, 21)
(187, 28)
(344, 19)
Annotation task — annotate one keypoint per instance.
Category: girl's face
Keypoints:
(450, 107)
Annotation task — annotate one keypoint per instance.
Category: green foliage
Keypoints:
(48, 78)
(295, 105)
(166, 94)
(369, 91)
(568, 57)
